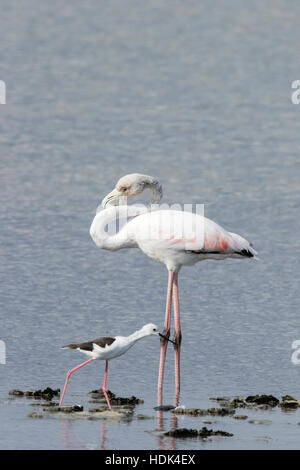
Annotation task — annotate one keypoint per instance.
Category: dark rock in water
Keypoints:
(47, 394)
(98, 410)
(240, 417)
(202, 433)
(114, 400)
(220, 411)
(64, 409)
(140, 417)
(289, 404)
(237, 403)
(125, 408)
(15, 392)
(220, 399)
(35, 415)
(202, 412)
(182, 432)
(126, 401)
(262, 400)
(263, 407)
(225, 404)
(288, 398)
(99, 394)
(259, 421)
(190, 411)
(44, 403)
(164, 408)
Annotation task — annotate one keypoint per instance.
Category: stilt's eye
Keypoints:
(154, 329)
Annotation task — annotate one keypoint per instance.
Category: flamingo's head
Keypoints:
(130, 186)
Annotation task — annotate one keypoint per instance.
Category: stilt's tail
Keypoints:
(70, 346)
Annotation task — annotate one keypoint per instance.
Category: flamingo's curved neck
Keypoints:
(121, 239)
(156, 189)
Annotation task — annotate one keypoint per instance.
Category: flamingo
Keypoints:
(171, 237)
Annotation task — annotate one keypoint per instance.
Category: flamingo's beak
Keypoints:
(112, 199)
(165, 337)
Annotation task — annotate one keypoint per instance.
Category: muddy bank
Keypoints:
(97, 397)
(122, 407)
(78, 412)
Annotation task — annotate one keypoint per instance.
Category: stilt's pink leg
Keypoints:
(163, 342)
(104, 385)
(177, 339)
(69, 373)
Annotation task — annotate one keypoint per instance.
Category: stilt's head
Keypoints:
(151, 329)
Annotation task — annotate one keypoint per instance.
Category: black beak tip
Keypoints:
(165, 337)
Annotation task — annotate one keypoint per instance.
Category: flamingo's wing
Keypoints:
(197, 234)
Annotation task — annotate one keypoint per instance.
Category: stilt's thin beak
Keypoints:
(165, 337)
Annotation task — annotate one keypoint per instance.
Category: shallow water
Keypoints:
(198, 96)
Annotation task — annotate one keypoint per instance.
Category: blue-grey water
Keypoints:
(197, 94)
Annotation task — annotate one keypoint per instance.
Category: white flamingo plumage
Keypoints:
(174, 238)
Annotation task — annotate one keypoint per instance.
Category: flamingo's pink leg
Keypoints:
(177, 374)
(104, 385)
(69, 373)
(163, 342)
(177, 339)
(177, 327)
(167, 323)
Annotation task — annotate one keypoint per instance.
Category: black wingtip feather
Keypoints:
(246, 253)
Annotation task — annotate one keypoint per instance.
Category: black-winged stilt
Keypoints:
(106, 348)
